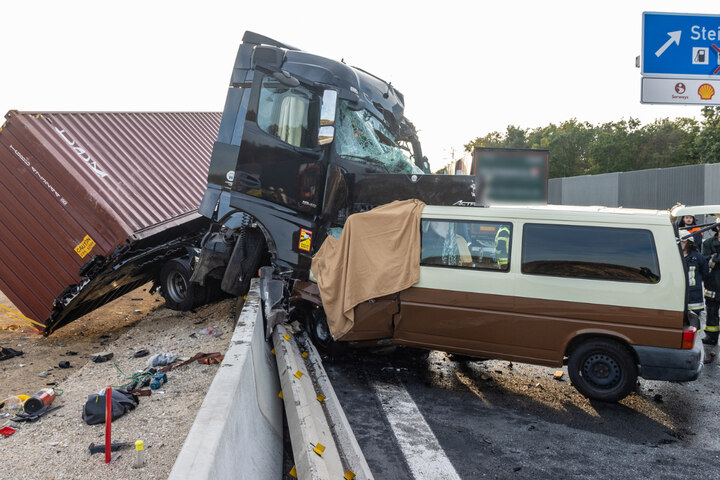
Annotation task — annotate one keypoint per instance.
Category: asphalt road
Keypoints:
(441, 418)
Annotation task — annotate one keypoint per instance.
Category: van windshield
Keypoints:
(364, 138)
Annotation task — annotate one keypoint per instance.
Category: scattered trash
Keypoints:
(517, 469)
(113, 447)
(43, 374)
(32, 417)
(94, 409)
(115, 457)
(7, 431)
(71, 353)
(4, 415)
(160, 359)
(140, 393)
(101, 358)
(211, 359)
(212, 331)
(8, 353)
(141, 353)
(12, 403)
(558, 375)
(64, 364)
(41, 399)
(138, 311)
(158, 379)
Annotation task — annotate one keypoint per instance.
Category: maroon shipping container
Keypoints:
(92, 202)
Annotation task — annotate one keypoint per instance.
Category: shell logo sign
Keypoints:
(706, 91)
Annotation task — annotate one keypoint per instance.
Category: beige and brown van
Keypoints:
(601, 289)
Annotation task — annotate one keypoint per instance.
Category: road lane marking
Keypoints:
(421, 449)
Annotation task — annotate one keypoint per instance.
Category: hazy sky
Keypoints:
(466, 68)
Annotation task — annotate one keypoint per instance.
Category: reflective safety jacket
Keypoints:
(698, 273)
(502, 246)
(711, 247)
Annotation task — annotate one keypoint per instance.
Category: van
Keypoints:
(599, 289)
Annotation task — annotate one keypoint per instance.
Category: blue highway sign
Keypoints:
(681, 44)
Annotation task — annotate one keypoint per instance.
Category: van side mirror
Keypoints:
(326, 133)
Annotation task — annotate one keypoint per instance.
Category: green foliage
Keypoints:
(579, 148)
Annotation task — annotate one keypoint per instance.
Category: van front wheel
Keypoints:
(602, 369)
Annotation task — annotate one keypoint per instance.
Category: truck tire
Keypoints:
(179, 293)
(602, 369)
(244, 262)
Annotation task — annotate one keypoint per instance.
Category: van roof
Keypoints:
(554, 212)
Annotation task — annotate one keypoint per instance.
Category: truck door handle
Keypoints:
(247, 180)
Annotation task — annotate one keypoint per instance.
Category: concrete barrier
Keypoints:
(238, 430)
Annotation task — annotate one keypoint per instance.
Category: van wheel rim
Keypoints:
(177, 287)
(602, 371)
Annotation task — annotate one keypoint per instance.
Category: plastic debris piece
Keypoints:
(7, 431)
(141, 353)
(160, 359)
(558, 375)
(102, 358)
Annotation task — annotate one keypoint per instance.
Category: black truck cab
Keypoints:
(304, 142)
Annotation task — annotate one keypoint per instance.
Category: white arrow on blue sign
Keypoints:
(681, 44)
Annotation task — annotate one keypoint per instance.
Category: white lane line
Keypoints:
(423, 453)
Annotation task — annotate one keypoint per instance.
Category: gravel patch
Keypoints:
(56, 446)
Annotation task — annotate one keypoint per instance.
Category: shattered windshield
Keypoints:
(362, 137)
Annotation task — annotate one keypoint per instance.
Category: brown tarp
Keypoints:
(377, 254)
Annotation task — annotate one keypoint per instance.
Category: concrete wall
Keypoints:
(237, 432)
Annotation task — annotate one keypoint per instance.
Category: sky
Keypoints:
(466, 68)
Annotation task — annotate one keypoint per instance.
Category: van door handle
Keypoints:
(247, 180)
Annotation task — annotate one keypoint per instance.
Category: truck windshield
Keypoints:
(364, 138)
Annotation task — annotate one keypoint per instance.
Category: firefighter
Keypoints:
(697, 269)
(502, 247)
(710, 250)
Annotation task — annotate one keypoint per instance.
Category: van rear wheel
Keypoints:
(602, 369)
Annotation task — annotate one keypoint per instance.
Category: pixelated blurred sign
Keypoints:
(510, 175)
(680, 60)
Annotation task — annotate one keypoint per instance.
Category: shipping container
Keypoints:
(92, 202)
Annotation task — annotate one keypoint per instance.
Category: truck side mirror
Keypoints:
(326, 133)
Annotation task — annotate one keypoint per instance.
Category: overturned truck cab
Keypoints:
(305, 142)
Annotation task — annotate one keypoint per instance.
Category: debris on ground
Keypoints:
(161, 359)
(8, 353)
(558, 375)
(102, 357)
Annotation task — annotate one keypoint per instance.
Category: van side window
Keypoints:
(285, 113)
(479, 245)
(603, 253)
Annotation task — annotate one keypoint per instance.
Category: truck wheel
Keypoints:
(602, 369)
(178, 291)
(244, 262)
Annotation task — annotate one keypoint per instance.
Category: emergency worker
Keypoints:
(710, 250)
(689, 223)
(502, 247)
(697, 269)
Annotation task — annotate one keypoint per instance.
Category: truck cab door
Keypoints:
(280, 159)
